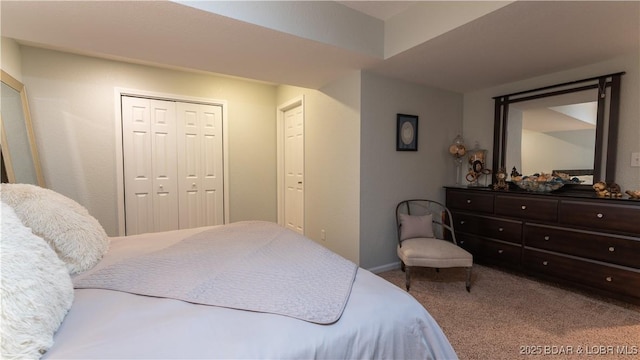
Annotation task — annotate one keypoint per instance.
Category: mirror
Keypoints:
(20, 161)
(568, 128)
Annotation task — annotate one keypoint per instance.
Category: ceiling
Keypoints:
(382, 10)
(521, 40)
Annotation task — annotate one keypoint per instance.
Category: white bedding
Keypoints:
(380, 320)
(247, 265)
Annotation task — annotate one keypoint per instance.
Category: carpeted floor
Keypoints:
(509, 316)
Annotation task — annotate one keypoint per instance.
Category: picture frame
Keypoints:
(407, 132)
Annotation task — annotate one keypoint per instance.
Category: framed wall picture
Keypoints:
(407, 133)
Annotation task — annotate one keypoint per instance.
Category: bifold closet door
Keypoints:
(150, 165)
(200, 168)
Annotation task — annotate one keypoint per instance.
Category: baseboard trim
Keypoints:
(386, 267)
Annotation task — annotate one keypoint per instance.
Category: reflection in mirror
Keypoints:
(555, 133)
(20, 162)
(568, 128)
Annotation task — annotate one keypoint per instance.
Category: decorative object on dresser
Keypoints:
(573, 238)
(458, 151)
(633, 194)
(426, 238)
(501, 183)
(477, 165)
(607, 190)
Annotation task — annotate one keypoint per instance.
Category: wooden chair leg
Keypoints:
(407, 280)
(468, 279)
(402, 266)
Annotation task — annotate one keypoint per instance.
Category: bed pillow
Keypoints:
(77, 237)
(36, 290)
(414, 226)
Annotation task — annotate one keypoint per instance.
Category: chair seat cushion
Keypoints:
(431, 252)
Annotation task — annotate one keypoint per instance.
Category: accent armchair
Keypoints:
(426, 238)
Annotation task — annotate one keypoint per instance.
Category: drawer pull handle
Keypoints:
(462, 222)
(545, 263)
(500, 229)
(468, 201)
(612, 249)
(600, 216)
(500, 251)
(523, 207)
(609, 279)
(546, 238)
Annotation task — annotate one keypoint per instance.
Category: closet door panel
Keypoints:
(212, 166)
(165, 179)
(136, 143)
(190, 214)
(200, 164)
(149, 142)
(211, 213)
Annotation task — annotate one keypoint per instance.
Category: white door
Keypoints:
(149, 142)
(294, 169)
(200, 167)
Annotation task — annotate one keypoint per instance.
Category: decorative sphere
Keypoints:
(453, 149)
(461, 151)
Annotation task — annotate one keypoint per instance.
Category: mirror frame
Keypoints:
(601, 172)
(7, 158)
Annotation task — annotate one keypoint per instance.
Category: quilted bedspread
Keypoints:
(257, 266)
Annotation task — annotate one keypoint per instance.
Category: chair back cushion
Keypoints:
(414, 226)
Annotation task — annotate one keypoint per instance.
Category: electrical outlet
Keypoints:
(323, 235)
(635, 159)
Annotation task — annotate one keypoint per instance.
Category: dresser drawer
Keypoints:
(610, 248)
(500, 229)
(494, 252)
(527, 208)
(609, 278)
(599, 215)
(471, 201)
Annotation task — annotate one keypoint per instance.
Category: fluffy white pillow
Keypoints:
(36, 290)
(413, 226)
(77, 237)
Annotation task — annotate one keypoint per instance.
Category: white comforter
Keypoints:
(248, 265)
(380, 321)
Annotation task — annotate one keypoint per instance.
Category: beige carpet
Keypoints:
(508, 316)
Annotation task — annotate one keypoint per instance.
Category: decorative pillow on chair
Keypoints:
(414, 226)
(77, 237)
(36, 290)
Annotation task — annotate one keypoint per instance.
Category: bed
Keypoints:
(368, 318)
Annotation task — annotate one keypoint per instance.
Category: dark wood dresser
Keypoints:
(576, 239)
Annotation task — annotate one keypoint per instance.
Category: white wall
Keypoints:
(389, 176)
(479, 109)
(332, 157)
(10, 58)
(73, 109)
(540, 150)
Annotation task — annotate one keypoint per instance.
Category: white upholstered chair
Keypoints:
(426, 238)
